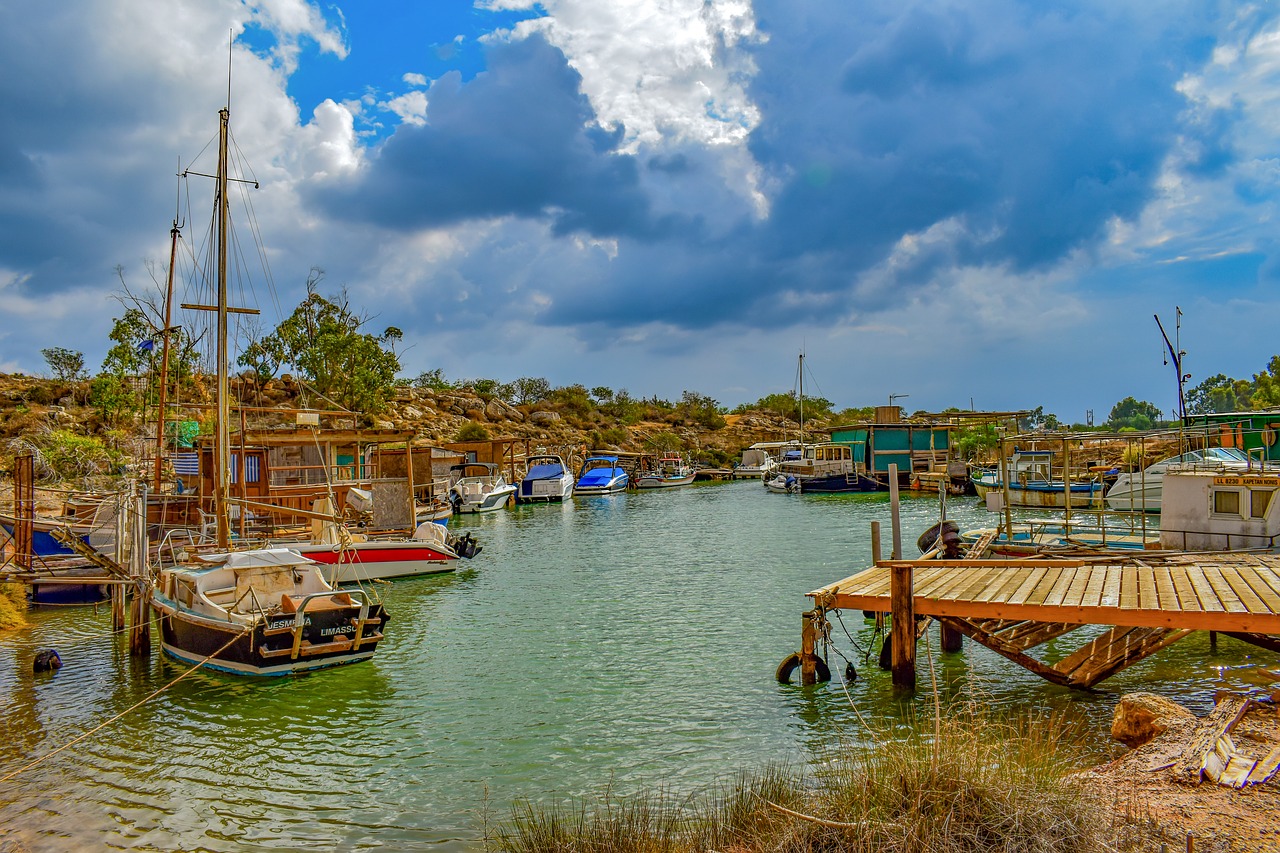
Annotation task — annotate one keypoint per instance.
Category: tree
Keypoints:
(67, 365)
(1037, 419)
(1134, 414)
(528, 389)
(702, 410)
(1219, 393)
(433, 380)
(323, 341)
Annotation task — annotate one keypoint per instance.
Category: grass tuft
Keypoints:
(974, 783)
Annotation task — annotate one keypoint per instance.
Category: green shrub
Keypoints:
(61, 455)
(472, 431)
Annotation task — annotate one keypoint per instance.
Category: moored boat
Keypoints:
(601, 475)
(263, 612)
(670, 471)
(825, 468)
(1141, 491)
(478, 487)
(547, 480)
(351, 558)
(1032, 483)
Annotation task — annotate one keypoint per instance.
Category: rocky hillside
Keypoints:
(30, 406)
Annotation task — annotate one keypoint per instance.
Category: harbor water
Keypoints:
(613, 644)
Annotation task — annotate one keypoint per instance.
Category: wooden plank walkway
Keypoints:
(1220, 592)
(1149, 602)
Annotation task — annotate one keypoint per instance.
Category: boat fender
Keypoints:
(850, 673)
(47, 660)
(792, 662)
(886, 653)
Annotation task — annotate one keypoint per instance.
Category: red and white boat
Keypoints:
(349, 558)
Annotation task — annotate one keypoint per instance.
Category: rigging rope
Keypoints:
(132, 707)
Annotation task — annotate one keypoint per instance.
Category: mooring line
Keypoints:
(132, 707)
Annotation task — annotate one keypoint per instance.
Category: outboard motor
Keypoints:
(465, 546)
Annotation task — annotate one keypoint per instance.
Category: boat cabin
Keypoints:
(1216, 511)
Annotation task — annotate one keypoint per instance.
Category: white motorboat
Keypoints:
(547, 480)
(1141, 491)
(478, 487)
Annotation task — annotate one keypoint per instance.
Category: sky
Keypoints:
(979, 204)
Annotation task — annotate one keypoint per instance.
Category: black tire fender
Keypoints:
(792, 662)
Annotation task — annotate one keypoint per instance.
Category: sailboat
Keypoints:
(265, 611)
(823, 468)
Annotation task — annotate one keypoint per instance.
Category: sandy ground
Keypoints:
(1217, 818)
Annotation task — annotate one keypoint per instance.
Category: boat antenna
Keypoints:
(1177, 354)
(230, 44)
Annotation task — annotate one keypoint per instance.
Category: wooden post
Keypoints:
(122, 548)
(1004, 482)
(808, 651)
(140, 611)
(875, 558)
(895, 511)
(903, 627)
(24, 511)
(952, 640)
(1066, 486)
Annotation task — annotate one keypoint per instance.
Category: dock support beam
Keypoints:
(952, 640)
(902, 627)
(140, 610)
(808, 650)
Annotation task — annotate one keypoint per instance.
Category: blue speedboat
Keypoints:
(600, 475)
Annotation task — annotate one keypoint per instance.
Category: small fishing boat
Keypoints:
(547, 480)
(1203, 510)
(478, 487)
(671, 471)
(263, 612)
(825, 468)
(601, 475)
(1032, 483)
(1141, 491)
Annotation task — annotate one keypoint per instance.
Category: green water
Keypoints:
(618, 643)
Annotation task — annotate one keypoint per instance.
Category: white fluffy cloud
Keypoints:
(665, 69)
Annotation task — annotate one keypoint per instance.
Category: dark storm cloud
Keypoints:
(518, 140)
(1026, 126)
(1033, 125)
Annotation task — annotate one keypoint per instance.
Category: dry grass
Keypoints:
(973, 784)
(13, 606)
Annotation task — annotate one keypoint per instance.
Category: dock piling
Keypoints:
(902, 626)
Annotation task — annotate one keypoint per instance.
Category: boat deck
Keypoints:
(1152, 600)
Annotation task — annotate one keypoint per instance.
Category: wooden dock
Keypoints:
(1144, 603)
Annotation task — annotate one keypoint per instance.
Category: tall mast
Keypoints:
(222, 448)
(801, 386)
(164, 353)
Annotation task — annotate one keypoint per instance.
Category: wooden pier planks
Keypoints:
(1221, 594)
(1011, 606)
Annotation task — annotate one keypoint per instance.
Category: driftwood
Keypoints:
(1210, 750)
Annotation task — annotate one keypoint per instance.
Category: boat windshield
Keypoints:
(1226, 454)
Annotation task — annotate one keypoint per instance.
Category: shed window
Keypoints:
(1259, 500)
(1226, 502)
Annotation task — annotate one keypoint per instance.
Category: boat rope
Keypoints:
(132, 707)
(866, 653)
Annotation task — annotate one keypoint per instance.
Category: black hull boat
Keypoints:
(267, 612)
